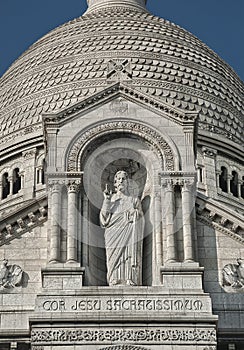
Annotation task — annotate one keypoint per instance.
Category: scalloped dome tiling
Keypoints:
(88, 54)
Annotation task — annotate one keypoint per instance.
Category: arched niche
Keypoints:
(99, 156)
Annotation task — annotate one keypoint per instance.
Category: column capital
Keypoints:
(73, 185)
(54, 185)
(30, 153)
(188, 184)
(209, 152)
(167, 184)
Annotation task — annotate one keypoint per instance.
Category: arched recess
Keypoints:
(99, 153)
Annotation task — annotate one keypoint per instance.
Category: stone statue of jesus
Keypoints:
(122, 217)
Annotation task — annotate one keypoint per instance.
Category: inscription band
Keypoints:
(174, 335)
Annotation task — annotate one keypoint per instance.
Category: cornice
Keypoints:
(57, 120)
(220, 217)
(25, 218)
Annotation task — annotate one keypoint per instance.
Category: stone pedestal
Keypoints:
(185, 277)
(62, 277)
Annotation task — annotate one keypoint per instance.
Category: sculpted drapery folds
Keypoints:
(122, 217)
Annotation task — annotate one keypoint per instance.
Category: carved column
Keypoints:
(157, 255)
(55, 222)
(239, 188)
(169, 219)
(188, 205)
(10, 178)
(229, 178)
(22, 176)
(29, 166)
(73, 188)
(218, 173)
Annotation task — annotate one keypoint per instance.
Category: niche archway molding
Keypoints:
(163, 146)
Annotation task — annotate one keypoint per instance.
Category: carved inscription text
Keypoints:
(93, 304)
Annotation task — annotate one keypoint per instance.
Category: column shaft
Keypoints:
(72, 225)
(158, 239)
(187, 208)
(55, 221)
(170, 227)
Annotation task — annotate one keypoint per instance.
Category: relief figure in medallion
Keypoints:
(122, 217)
(233, 275)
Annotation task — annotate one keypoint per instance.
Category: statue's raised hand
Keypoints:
(107, 193)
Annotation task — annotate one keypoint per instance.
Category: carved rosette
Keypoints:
(150, 136)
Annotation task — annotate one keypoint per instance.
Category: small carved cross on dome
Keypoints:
(119, 70)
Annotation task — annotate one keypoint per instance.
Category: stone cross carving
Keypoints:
(233, 275)
(10, 275)
(121, 216)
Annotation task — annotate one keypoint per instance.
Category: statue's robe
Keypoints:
(123, 221)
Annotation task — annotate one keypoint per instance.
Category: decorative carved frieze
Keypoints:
(143, 335)
(10, 275)
(151, 136)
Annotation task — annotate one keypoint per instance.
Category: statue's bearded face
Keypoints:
(121, 181)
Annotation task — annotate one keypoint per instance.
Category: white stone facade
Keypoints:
(128, 100)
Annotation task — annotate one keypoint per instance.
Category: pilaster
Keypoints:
(29, 157)
(209, 156)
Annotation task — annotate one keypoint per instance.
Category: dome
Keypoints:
(119, 41)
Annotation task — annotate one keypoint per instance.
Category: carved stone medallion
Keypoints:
(10, 275)
(233, 277)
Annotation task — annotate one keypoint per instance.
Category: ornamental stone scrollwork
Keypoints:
(153, 138)
(233, 276)
(11, 276)
(145, 335)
